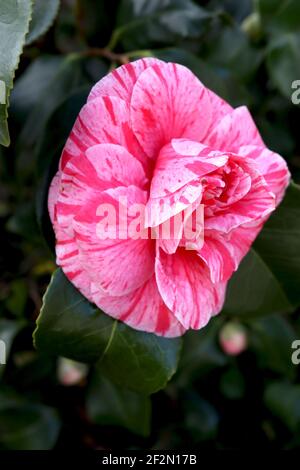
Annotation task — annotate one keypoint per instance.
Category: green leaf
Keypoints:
(268, 278)
(283, 400)
(201, 353)
(279, 16)
(279, 244)
(44, 14)
(229, 48)
(254, 290)
(271, 339)
(141, 23)
(32, 85)
(201, 418)
(28, 427)
(283, 62)
(72, 327)
(237, 9)
(14, 23)
(108, 404)
(69, 77)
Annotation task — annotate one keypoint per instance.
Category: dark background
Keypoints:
(248, 55)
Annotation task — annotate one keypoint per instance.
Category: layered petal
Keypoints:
(106, 232)
(184, 283)
(272, 166)
(102, 120)
(234, 130)
(120, 82)
(142, 309)
(176, 182)
(101, 167)
(218, 255)
(168, 102)
(67, 257)
(219, 109)
(255, 204)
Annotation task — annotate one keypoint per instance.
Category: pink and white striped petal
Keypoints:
(185, 285)
(142, 309)
(67, 257)
(120, 82)
(102, 167)
(233, 131)
(116, 256)
(218, 256)
(256, 204)
(272, 166)
(104, 120)
(219, 109)
(168, 102)
(53, 195)
(176, 182)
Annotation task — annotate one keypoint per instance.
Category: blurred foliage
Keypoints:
(246, 51)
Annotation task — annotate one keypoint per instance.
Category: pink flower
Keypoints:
(152, 133)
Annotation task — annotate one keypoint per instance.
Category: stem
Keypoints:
(107, 54)
(113, 56)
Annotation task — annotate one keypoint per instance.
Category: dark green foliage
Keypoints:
(248, 53)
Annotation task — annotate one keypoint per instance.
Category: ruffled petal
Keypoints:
(185, 285)
(176, 182)
(101, 121)
(218, 257)
(256, 204)
(272, 166)
(101, 167)
(142, 309)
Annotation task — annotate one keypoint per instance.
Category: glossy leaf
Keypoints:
(267, 280)
(68, 78)
(28, 427)
(108, 404)
(283, 400)
(71, 326)
(147, 22)
(44, 14)
(31, 86)
(283, 61)
(271, 339)
(14, 24)
(201, 352)
(278, 16)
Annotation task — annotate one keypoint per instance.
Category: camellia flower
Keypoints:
(152, 134)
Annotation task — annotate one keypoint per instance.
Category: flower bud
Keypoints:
(70, 372)
(233, 339)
